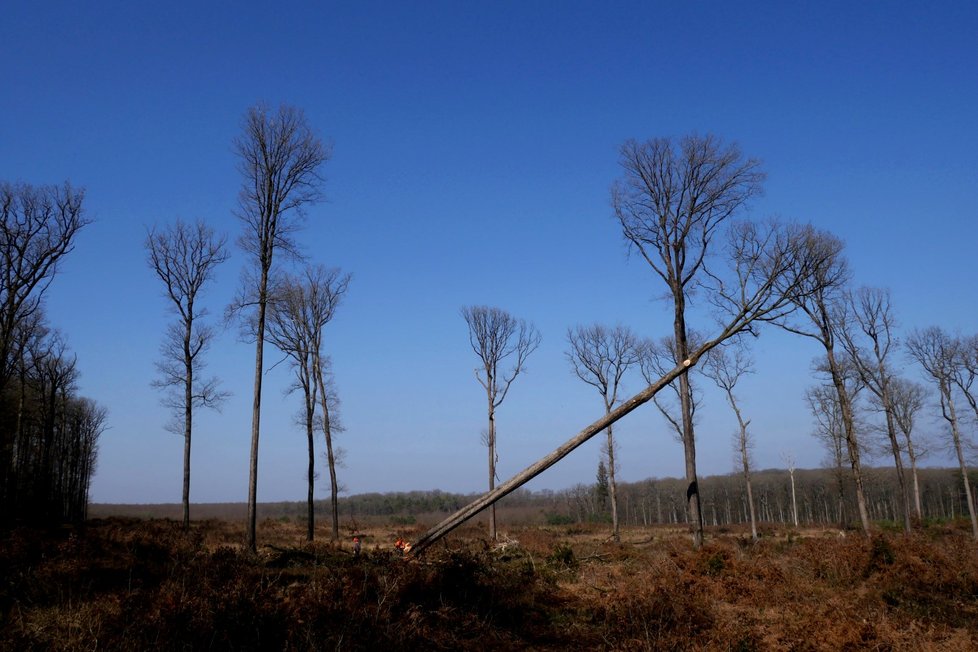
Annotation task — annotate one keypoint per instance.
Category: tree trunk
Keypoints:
(916, 481)
(490, 498)
(334, 489)
(317, 364)
(252, 525)
(744, 460)
(492, 467)
(613, 488)
(686, 406)
(953, 419)
(750, 499)
(794, 500)
(188, 429)
(845, 406)
(898, 462)
(188, 410)
(311, 443)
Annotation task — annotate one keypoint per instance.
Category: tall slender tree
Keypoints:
(600, 357)
(503, 344)
(867, 337)
(726, 366)
(184, 256)
(300, 308)
(280, 159)
(823, 308)
(789, 463)
(823, 401)
(942, 358)
(908, 399)
(671, 202)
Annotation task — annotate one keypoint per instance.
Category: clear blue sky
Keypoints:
(474, 147)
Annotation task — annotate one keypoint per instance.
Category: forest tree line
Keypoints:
(48, 432)
(823, 498)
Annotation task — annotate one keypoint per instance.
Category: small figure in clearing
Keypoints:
(356, 547)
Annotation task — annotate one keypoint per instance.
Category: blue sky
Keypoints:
(474, 147)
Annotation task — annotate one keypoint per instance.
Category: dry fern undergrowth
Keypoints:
(129, 584)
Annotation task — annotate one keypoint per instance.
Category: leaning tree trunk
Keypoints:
(527, 474)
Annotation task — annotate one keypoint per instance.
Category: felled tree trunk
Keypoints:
(532, 471)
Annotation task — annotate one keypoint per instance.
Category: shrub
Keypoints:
(553, 518)
(562, 557)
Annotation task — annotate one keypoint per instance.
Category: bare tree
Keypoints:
(941, 357)
(867, 337)
(789, 462)
(671, 202)
(823, 305)
(500, 340)
(299, 309)
(329, 423)
(823, 401)
(286, 330)
(280, 160)
(726, 365)
(600, 357)
(767, 274)
(38, 226)
(967, 370)
(184, 257)
(907, 400)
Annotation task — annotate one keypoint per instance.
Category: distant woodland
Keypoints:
(824, 499)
